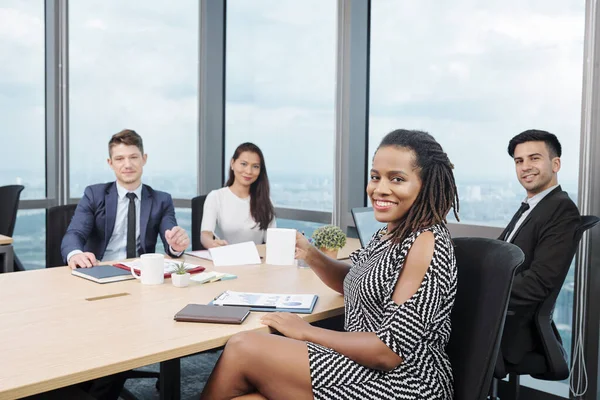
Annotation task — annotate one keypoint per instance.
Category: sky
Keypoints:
(473, 74)
(22, 88)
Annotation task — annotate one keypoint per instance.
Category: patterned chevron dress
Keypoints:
(418, 330)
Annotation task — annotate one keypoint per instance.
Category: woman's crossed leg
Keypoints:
(275, 366)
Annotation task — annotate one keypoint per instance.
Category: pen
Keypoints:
(254, 306)
(219, 296)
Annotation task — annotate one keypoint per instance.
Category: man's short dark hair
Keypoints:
(127, 137)
(535, 135)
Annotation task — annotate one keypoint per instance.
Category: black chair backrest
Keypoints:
(556, 357)
(587, 222)
(9, 205)
(57, 221)
(197, 211)
(486, 269)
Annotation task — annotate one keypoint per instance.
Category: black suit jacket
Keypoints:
(546, 237)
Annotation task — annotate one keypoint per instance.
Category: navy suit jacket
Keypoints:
(546, 237)
(94, 220)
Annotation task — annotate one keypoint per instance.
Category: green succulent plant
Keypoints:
(330, 237)
(180, 269)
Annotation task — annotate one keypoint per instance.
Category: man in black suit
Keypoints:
(544, 228)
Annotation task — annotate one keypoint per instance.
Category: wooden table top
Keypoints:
(56, 329)
(5, 240)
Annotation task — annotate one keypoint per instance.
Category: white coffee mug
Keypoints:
(281, 246)
(152, 269)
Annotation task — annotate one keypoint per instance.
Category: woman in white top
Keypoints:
(242, 210)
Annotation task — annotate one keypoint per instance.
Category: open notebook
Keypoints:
(205, 254)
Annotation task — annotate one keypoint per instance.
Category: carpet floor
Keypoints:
(195, 371)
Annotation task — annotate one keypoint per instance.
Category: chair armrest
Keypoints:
(554, 352)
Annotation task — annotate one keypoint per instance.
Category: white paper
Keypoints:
(205, 254)
(268, 300)
(281, 246)
(235, 254)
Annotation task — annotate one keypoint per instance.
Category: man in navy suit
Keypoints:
(122, 219)
(119, 220)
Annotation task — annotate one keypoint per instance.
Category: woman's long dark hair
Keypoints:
(261, 208)
(438, 191)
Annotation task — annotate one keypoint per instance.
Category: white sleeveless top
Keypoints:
(228, 217)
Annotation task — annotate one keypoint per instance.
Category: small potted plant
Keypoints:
(329, 239)
(180, 277)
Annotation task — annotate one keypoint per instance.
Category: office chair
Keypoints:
(486, 269)
(57, 221)
(9, 205)
(197, 211)
(551, 364)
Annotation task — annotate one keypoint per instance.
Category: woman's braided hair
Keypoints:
(438, 191)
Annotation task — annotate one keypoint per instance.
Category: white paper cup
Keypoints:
(281, 246)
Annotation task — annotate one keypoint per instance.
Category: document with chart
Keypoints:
(298, 303)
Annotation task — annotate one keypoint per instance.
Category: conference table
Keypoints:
(7, 254)
(58, 330)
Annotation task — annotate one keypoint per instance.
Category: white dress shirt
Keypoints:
(532, 201)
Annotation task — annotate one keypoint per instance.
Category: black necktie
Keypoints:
(511, 225)
(131, 239)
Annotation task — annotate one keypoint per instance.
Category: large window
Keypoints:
(22, 91)
(22, 97)
(134, 65)
(280, 94)
(474, 75)
(30, 238)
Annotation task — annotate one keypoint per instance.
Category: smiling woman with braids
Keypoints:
(398, 294)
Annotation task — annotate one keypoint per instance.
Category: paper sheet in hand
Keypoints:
(235, 254)
(299, 303)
